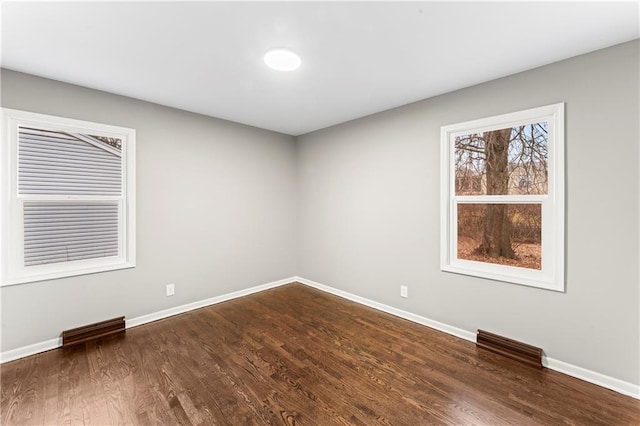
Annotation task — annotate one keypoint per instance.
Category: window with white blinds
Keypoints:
(68, 197)
(54, 162)
(64, 232)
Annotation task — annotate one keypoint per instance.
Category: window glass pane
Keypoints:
(114, 142)
(57, 232)
(509, 161)
(65, 163)
(506, 234)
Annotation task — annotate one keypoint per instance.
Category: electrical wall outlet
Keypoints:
(171, 289)
(404, 291)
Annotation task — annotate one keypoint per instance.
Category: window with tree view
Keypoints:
(502, 197)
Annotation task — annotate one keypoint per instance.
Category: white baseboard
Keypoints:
(596, 378)
(24, 351)
(155, 316)
(590, 376)
(48, 345)
(449, 329)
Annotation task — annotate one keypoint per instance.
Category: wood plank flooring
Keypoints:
(295, 355)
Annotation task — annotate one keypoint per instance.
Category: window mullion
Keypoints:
(507, 199)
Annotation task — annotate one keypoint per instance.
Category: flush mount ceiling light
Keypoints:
(282, 59)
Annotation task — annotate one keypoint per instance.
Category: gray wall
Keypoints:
(368, 213)
(215, 213)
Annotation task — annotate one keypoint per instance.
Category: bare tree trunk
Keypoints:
(496, 238)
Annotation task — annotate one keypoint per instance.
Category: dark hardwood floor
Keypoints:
(295, 355)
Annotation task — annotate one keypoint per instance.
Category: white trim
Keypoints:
(99, 265)
(437, 325)
(24, 351)
(47, 345)
(594, 377)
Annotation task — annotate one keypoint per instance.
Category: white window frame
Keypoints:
(551, 276)
(12, 266)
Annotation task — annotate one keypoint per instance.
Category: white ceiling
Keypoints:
(358, 58)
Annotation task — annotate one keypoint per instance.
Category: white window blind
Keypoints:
(70, 196)
(64, 232)
(53, 162)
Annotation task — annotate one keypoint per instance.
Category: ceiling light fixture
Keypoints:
(282, 59)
